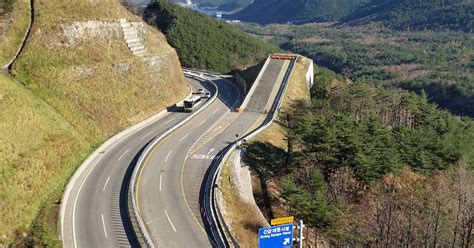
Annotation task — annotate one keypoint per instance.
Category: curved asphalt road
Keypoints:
(95, 211)
(170, 181)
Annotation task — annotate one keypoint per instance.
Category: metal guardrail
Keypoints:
(134, 212)
(218, 228)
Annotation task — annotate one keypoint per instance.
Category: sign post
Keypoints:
(276, 236)
(300, 234)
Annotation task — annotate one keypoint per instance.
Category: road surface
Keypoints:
(170, 180)
(95, 211)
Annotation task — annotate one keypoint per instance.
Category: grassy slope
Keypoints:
(73, 97)
(11, 41)
(297, 91)
(30, 130)
(96, 81)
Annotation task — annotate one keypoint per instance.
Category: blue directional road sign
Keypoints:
(276, 236)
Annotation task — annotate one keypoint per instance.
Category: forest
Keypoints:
(296, 11)
(454, 15)
(438, 63)
(203, 42)
(416, 15)
(224, 4)
(368, 166)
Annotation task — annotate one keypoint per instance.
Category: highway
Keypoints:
(170, 181)
(95, 213)
(94, 210)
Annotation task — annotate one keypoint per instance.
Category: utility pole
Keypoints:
(300, 234)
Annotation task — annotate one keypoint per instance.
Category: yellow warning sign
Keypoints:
(280, 221)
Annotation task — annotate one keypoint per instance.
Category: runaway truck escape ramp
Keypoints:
(218, 231)
(212, 215)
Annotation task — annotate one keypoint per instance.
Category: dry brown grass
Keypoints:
(38, 149)
(314, 40)
(239, 215)
(10, 42)
(407, 71)
(297, 91)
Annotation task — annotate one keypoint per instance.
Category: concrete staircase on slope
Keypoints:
(134, 43)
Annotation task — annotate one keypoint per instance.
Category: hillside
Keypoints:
(368, 166)
(417, 15)
(399, 14)
(203, 42)
(437, 63)
(12, 32)
(224, 4)
(76, 84)
(296, 11)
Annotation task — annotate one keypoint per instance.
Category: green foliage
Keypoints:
(349, 129)
(338, 141)
(296, 11)
(203, 42)
(439, 64)
(308, 201)
(269, 161)
(351, 137)
(6, 6)
(324, 78)
(417, 15)
(398, 14)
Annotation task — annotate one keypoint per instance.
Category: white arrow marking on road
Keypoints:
(167, 216)
(103, 224)
(212, 149)
(105, 185)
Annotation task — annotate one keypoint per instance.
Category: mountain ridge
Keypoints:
(397, 14)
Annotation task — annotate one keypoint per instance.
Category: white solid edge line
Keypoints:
(103, 224)
(123, 154)
(75, 203)
(186, 135)
(161, 177)
(105, 185)
(167, 156)
(111, 142)
(167, 216)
